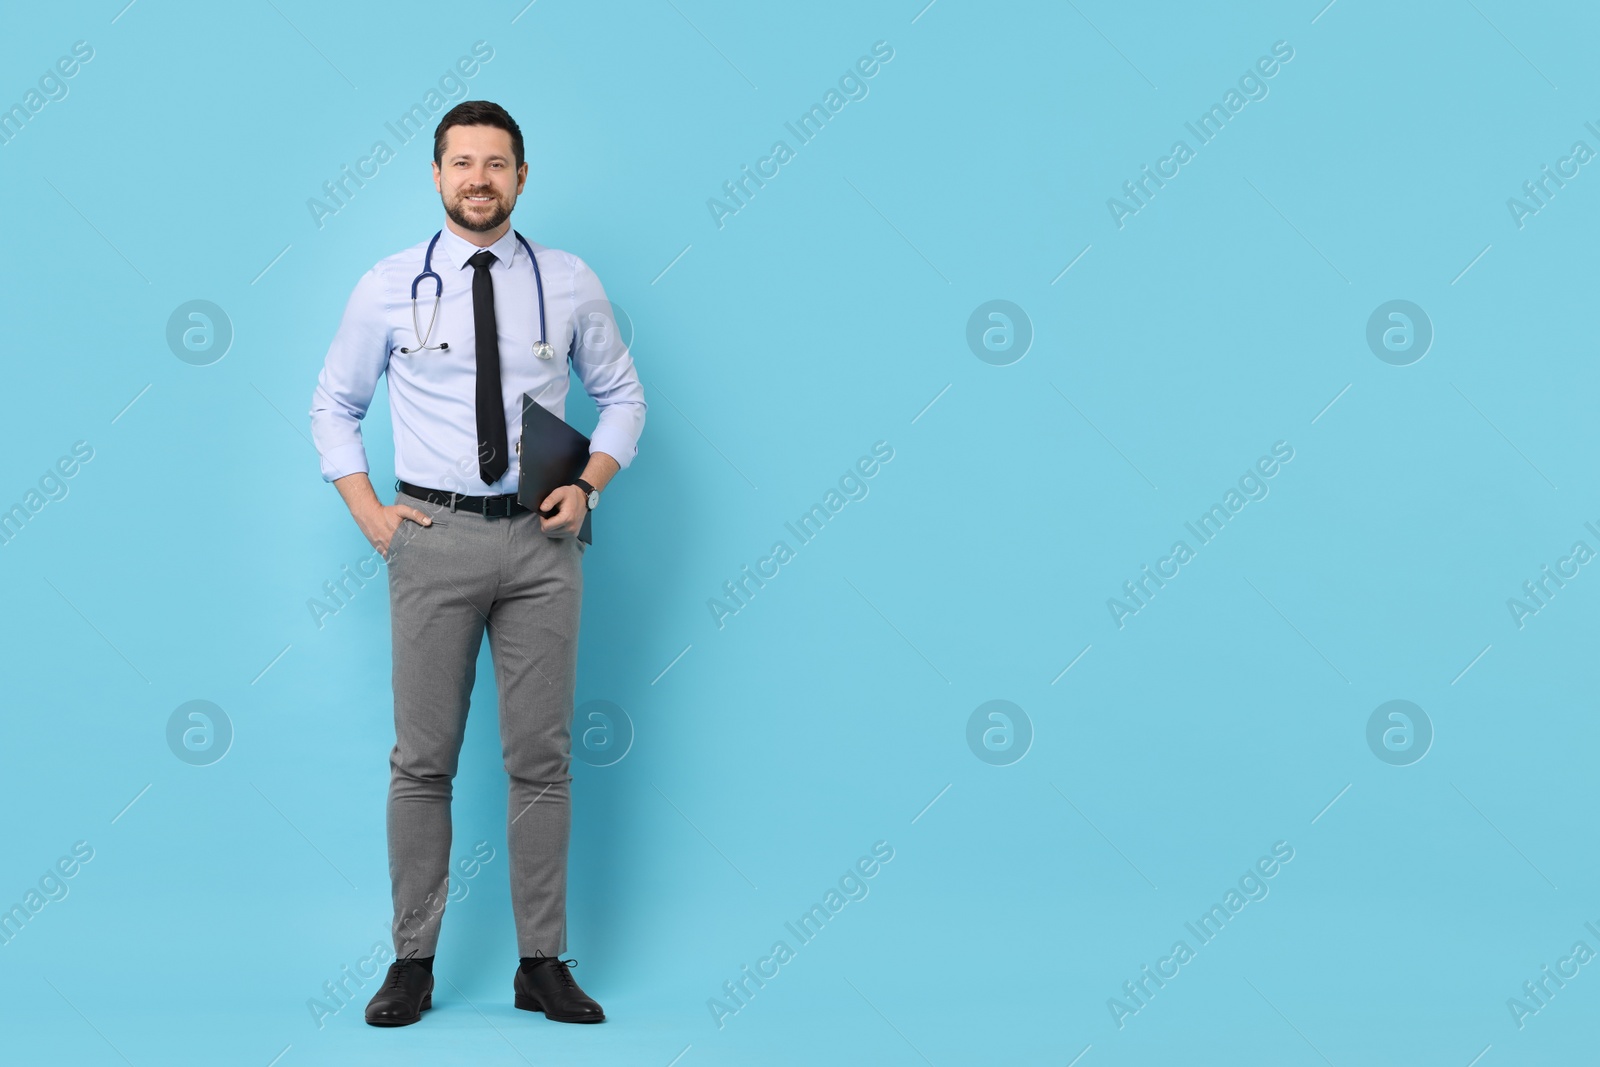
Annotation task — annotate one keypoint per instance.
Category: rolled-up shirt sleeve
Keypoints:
(356, 360)
(606, 369)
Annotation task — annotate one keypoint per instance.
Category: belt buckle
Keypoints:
(497, 507)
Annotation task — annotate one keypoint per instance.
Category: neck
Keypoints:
(483, 239)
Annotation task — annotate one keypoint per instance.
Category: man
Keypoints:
(463, 556)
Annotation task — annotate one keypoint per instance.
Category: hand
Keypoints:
(380, 522)
(571, 508)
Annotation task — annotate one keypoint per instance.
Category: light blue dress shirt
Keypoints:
(433, 394)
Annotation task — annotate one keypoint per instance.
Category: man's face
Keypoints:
(476, 178)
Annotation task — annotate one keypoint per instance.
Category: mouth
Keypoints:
(480, 199)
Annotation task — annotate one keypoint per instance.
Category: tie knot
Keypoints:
(482, 260)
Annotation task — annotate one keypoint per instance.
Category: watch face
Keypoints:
(594, 499)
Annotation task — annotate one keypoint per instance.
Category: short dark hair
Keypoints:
(478, 113)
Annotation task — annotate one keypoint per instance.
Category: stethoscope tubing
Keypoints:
(542, 348)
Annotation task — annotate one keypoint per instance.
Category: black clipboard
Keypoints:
(550, 454)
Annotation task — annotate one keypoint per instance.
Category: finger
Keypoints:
(558, 521)
(417, 516)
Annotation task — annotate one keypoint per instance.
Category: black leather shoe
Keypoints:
(407, 992)
(544, 984)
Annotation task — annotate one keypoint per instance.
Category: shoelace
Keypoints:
(562, 971)
(397, 975)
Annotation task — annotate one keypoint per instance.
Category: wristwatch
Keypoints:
(591, 494)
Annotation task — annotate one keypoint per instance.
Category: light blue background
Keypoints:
(1230, 313)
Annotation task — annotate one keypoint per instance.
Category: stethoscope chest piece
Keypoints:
(544, 350)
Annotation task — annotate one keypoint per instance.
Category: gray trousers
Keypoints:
(448, 582)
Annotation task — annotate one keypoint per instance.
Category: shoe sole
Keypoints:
(427, 1002)
(527, 1003)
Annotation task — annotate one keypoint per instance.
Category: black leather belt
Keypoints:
(490, 506)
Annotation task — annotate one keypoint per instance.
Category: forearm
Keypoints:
(600, 469)
(358, 493)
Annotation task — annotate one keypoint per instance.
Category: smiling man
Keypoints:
(463, 555)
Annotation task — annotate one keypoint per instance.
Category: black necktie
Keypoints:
(492, 446)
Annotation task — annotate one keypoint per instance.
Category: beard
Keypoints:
(484, 217)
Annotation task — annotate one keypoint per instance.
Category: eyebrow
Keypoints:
(468, 155)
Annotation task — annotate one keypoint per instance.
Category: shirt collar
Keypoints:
(459, 249)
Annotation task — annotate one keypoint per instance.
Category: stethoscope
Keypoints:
(541, 348)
